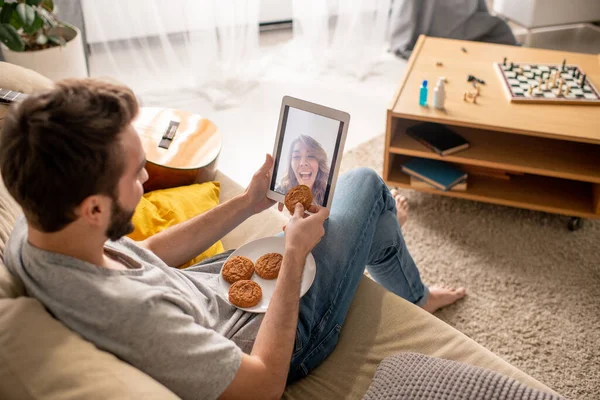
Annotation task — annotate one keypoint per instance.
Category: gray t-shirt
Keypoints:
(172, 324)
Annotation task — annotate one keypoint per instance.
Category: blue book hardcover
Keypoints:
(437, 173)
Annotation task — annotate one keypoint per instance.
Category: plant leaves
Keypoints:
(15, 21)
(33, 28)
(48, 17)
(41, 39)
(7, 12)
(26, 13)
(57, 40)
(10, 37)
(48, 5)
(33, 2)
(1, 3)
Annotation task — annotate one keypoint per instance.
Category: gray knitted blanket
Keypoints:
(416, 376)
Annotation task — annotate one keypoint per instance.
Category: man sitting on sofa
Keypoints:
(73, 161)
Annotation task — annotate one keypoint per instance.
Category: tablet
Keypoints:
(308, 149)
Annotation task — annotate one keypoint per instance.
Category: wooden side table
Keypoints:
(552, 152)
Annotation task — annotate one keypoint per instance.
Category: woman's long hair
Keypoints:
(320, 185)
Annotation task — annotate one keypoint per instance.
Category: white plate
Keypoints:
(254, 250)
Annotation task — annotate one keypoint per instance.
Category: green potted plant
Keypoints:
(33, 37)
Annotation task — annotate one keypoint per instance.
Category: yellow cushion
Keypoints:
(161, 209)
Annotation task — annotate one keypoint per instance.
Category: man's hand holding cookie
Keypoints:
(303, 231)
(298, 194)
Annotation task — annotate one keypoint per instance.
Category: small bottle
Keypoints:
(439, 94)
(423, 94)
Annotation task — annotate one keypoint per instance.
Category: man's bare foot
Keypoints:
(441, 296)
(401, 207)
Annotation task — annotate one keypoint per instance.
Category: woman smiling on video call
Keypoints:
(308, 166)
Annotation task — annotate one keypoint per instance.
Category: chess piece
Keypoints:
(582, 81)
(563, 64)
(530, 90)
(567, 90)
(560, 87)
(504, 62)
(439, 64)
(470, 96)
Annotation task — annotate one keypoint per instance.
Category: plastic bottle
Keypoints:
(439, 94)
(423, 94)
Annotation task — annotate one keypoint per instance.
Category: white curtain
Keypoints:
(204, 47)
(346, 36)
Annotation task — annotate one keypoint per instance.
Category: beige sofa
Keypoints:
(41, 359)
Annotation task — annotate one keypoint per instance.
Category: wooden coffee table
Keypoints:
(551, 152)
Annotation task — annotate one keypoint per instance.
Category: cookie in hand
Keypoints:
(298, 194)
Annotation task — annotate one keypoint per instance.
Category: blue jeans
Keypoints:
(362, 231)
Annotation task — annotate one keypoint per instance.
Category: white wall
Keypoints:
(275, 10)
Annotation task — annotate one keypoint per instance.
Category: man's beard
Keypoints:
(120, 222)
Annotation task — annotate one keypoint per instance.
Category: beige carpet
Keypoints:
(533, 286)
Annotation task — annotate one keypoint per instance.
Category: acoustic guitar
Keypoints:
(10, 96)
(181, 148)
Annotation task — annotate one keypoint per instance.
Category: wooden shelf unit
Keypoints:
(534, 192)
(552, 168)
(509, 152)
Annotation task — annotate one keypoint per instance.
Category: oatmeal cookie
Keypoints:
(245, 294)
(237, 268)
(267, 266)
(298, 194)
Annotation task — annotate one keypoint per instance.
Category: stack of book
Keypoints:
(433, 173)
(426, 173)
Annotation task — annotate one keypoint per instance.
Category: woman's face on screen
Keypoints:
(304, 164)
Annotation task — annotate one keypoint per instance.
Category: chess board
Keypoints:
(517, 84)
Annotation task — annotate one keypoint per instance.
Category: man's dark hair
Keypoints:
(60, 146)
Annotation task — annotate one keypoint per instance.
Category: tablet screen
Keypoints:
(307, 151)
